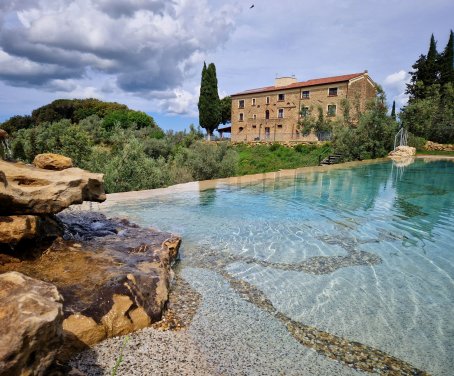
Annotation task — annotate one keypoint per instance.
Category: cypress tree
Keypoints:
(425, 72)
(393, 111)
(431, 69)
(209, 104)
(447, 62)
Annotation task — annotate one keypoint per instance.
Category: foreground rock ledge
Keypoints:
(30, 325)
(25, 189)
(113, 275)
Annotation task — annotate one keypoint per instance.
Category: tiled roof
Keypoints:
(317, 81)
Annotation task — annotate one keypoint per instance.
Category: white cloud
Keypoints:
(398, 79)
(395, 85)
(139, 46)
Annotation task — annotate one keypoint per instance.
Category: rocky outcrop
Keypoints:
(402, 152)
(50, 161)
(113, 275)
(113, 283)
(438, 147)
(26, 189)
(30, 325)
(17, 228)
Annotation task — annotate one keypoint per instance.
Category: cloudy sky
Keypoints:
(148, 54)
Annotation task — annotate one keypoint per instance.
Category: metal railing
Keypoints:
(401, 138)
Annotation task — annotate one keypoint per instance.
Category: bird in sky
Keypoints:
(252, 6)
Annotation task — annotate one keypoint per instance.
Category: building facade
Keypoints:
(272, 113)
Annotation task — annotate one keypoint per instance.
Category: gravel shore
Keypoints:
(228, 336)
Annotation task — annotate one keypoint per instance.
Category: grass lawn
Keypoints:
(266, 158)
(434, 152)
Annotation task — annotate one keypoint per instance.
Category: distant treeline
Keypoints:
(76, 110)
(430, 110)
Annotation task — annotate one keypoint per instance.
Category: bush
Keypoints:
(275, 146)
(373, 137)
(416, 142)
(210, 161)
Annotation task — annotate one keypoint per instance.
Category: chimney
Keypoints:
(284, 81)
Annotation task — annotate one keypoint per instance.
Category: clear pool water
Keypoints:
(403, 304)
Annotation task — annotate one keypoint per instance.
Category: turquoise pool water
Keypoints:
(365, 253)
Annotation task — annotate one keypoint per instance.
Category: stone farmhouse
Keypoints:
(272, 113)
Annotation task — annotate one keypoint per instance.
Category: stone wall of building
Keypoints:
(360, 91)
(249, 119)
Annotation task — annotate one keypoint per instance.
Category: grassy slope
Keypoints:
(434, 152)
(263, 158)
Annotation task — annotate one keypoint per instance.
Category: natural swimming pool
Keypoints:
(349, 255)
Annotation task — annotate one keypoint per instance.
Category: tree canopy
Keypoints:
(430, 111)
(76, 110)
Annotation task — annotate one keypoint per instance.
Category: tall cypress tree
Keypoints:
(431, 69)
(393, 111)
(209, 103)
(425, 72)
(447, 62)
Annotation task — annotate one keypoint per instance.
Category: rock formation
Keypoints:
(49, 161)
(113, 275)
(25, 189)
(31, 332)
(403, 151)
(439, 147)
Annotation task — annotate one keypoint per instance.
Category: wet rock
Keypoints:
(50, 161)
(25, 189)
(17, 228)
(112, 284)
(30, 325)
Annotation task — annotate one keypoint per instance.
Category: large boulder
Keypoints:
(50, 161)
(31, 332)
(25, 189)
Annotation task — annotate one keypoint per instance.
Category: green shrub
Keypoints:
(274, 146)
(416, 142)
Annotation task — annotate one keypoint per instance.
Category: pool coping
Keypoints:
(199, 186)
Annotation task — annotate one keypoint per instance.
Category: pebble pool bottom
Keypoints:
(364, 253)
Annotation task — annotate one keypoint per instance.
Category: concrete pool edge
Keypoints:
(198, 186)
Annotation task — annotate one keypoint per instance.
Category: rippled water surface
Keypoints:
(365, 253)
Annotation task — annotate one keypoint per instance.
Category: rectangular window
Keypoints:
(281, 97)
(241, 117)
(254, 126)
(267, 100)
(253, 101)
(331, 110)
(280, 113)
(304, 112)
(241, 103)
(279, 126)
(305, 94)
(332, 91)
